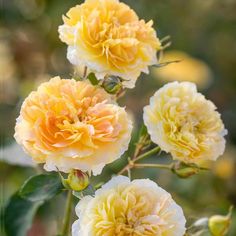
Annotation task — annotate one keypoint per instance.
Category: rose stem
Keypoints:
(131, 163)
(67, 215)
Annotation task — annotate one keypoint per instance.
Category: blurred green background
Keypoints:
(31, 52)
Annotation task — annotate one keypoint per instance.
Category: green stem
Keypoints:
(67, 215)
(131, 163)
(153, 166)
(149, 153)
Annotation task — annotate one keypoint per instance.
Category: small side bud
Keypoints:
(78, 180)
(219, 225)
(112, 84)
(184, 171)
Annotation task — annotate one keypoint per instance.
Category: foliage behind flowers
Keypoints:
(78, 127)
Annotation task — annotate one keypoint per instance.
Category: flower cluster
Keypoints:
(72, 125)
(122, 207)
(77, 127)
(108, 37)
(184, 123)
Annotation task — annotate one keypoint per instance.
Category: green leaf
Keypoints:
(143, 137)
(143, 131)
(88, 191)
(93, 79)
(18, 215)
(41, 187)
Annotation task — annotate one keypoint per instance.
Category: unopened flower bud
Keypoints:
(184, 171)
(78, 180)
(219, 225)
(112, 84)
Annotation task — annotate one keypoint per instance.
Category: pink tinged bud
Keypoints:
(78, 180)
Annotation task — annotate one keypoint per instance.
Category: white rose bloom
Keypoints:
(125, 208)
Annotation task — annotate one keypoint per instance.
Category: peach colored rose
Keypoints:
(72, 125)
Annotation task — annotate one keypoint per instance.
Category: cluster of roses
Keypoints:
(69, 124)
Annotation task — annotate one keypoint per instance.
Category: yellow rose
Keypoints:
(184, 123)
(72, 125)
(108, 37)
(124, 208)
(188, 69)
